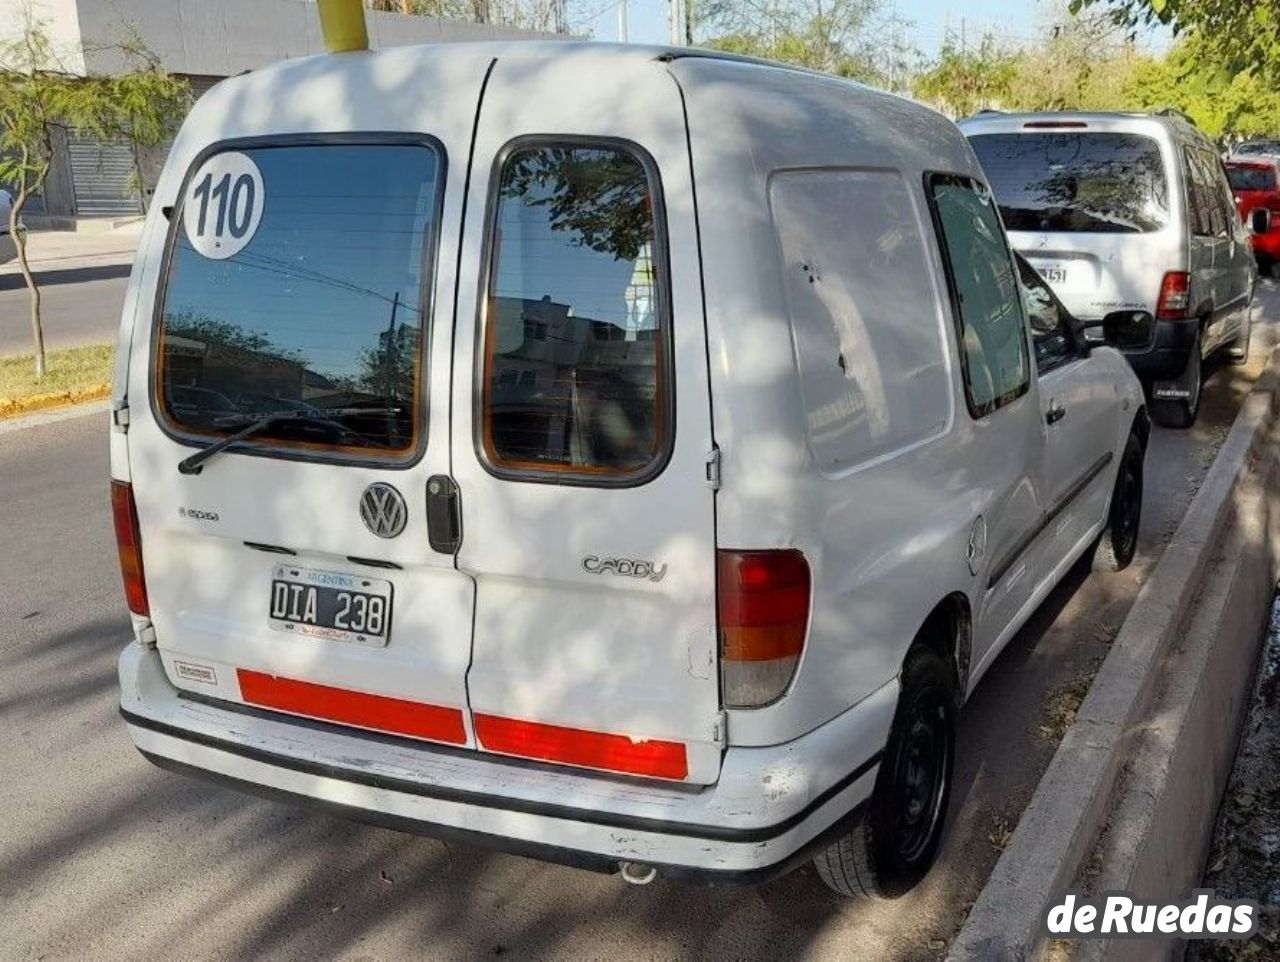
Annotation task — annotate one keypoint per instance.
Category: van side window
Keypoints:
(985, 293)
(868, 335)
(1206, 213)
(576, 334)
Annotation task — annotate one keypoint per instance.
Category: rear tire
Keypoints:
(1119, 540)
(1181, 412)
(895, 840)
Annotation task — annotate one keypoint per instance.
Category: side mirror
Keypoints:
(1128, 330)
(1260, 220)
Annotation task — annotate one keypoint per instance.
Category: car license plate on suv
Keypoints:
(329, 604)
(1053, 274)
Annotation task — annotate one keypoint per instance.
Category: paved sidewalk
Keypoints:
(60, 250)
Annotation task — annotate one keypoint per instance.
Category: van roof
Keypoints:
(533, 50)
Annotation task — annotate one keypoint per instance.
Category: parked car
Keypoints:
(1256, 149)
(730, 445)
(1129, 212)
(1257, 193)
(8, 248)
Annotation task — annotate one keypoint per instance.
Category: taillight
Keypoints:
(763, 601)
(125, 515)
(1175, 296)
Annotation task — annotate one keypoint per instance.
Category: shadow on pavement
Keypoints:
(69, 275)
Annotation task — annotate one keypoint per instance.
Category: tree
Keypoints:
(1239, 35)
(531, 14)
(1221, 104)
(964, 80)
(859, 39)
(39, 96)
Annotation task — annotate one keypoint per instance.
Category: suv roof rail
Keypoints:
(1175, 112)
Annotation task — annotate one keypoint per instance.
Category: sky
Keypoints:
(1013, 21)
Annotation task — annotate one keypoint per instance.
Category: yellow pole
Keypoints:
(343, 26)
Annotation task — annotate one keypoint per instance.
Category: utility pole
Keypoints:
(673, 18)
(622, 21)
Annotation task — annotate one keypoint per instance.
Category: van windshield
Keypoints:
(1080, 182)
(295, 290)
(1251, 178)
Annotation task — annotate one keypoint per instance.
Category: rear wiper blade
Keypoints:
(195, 463)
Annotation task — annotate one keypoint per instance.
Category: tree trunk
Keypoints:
(20, 239)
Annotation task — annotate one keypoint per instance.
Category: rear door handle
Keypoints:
(444, 514)
(1055, 413)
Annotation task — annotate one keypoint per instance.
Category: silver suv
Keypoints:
(1129, 211)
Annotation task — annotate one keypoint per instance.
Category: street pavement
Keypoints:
(104, 857)
(82, 280)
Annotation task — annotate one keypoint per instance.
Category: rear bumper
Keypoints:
(1169, 351)
(770, 808)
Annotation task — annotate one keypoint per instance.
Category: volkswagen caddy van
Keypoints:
(621, 456)
(1129, 212)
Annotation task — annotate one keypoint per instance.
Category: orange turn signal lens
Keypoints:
(124, 514)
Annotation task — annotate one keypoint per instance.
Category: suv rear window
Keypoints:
(1078, 182)
(576, 329)
(296, 289)
(1251, 178)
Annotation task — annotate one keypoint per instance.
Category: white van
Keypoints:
(621, 456)
(1129, 212)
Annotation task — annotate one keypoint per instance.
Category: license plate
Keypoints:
(331, 605)
(1054, 275)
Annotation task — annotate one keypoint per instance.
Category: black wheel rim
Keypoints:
(1126, 508)
(922, 765)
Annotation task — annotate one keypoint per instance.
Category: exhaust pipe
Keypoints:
(637, 873)
(342, 24)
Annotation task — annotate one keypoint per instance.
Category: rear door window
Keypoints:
(1251, 178)
(296, 289)
(576, 333)
(1082, 182)
(985, 293)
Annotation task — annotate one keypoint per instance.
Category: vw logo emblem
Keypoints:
(383, 510)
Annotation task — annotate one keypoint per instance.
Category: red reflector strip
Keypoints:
(573, 746)
(394, 715)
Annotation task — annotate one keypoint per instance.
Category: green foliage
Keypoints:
(39, 96)
(964, 81)
(1239, 36)
(858, 39)
(1222, 105)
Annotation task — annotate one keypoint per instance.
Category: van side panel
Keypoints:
(886, 538)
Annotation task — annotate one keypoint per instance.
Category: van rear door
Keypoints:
(306, 303)
(582, 425)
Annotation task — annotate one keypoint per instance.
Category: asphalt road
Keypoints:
(103, 856)
(80, 305)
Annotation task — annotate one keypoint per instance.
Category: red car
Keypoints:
(1256, 185)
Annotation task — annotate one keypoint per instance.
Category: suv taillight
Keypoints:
(1175, 296)
(763, 600)
(125, 515)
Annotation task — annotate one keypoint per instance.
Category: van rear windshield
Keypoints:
(295, 291)
(1105, 183)
(1251, 178)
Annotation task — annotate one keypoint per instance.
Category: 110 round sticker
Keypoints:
(223, 206)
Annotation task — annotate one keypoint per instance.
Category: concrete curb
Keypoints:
(1085, 782)
(52, 416)
(16, 407)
